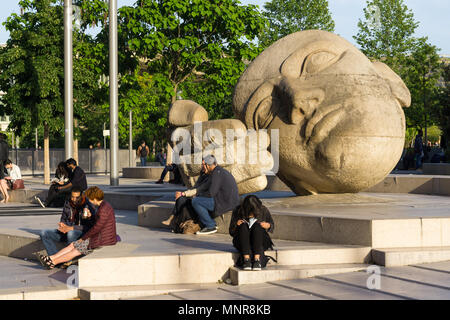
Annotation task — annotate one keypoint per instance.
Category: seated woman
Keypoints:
(103, 233)
(61, 179)
(249, 226)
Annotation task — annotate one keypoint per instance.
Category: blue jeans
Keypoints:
(143, 161)
(418, 160)
(202, 205)
(50, 236)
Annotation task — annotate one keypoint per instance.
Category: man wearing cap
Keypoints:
(224, 196)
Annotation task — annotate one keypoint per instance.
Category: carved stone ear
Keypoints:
(398, 87)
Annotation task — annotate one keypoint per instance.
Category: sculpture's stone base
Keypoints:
(366, 219)
(436, 168)
(149, 172)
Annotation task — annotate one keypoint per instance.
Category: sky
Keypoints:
(432, 15)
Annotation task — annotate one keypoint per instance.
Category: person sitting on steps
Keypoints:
(183, 210)
(103, 233)
(249, 227)
(73, 223)
(224, 196)
(77, 178)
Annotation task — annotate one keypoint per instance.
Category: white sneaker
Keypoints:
(207, 230)
(39, 201)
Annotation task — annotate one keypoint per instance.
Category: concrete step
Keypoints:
(125, 265)
(39, 293)
(130, 292)
(288, 272)
(392, 257)
(365, 220)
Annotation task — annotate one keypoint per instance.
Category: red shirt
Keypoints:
(103, 233)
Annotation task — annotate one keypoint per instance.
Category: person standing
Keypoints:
(143, 152)
(418, 149)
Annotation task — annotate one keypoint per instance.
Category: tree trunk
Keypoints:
(46, 154)
(75, 142)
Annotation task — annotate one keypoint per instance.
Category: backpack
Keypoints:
(143, 151)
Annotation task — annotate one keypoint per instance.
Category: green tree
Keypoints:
(387, 32)
(288, 16)
(422, 72)
(442, 111)
(185, 39)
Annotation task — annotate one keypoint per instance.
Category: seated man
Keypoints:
(179, 216)
(77, 178)
(73, 223)
(223, 192)
(103, 233)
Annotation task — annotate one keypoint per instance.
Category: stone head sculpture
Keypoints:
(339, 115)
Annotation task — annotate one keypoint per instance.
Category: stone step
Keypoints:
(284, 272)
(130, 292)
(364, 220)
(392, 257)
(124, 264)
(39, 293)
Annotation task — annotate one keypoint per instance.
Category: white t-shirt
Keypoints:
(14, 172)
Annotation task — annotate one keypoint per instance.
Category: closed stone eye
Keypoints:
(317, 61)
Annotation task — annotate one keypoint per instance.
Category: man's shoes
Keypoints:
(159, 182)
(207, 230)
(39, 201)
(257, 265)
(247, 264)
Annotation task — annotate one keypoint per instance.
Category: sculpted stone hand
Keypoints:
(246, 157)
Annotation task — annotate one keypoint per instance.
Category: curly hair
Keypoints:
(94, 193)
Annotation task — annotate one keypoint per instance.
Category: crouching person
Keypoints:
(249, 226)
(103, 233)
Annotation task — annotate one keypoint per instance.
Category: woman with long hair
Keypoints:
(250, 223)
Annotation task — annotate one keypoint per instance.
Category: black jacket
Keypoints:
(224, 190)
(72, 216)
(4, 151)
(202, 185)
(78, 178)
(265, 217)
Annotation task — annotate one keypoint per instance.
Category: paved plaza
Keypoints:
(24, 279)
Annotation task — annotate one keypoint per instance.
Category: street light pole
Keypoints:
(130, 142)
(113, 94)
(68, 80)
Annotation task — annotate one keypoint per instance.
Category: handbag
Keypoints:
(189, 227)
(18, 184)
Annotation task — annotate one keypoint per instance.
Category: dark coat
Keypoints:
(4, 151)
(78, 178)
(71, 216)
(103, 233)
(264, 217)
(224, 190)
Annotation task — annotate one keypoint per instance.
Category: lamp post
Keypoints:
(113, 94)
(68, 80)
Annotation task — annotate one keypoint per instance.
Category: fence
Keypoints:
(31, 161)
